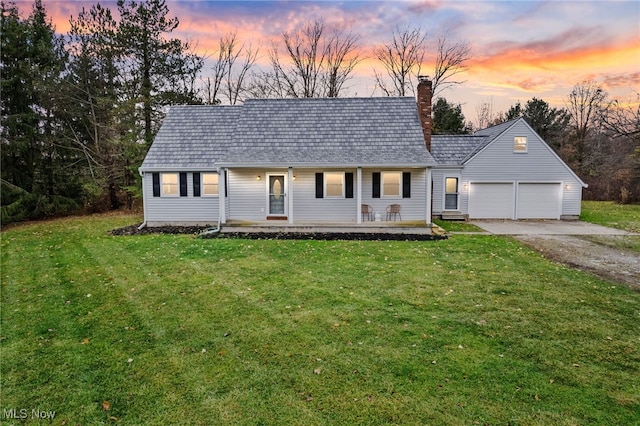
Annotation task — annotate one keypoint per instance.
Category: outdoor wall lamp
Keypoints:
(259, 177)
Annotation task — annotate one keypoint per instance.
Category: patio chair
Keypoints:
(393, 210)
(367, 211)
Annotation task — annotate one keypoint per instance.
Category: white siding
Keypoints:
(248, 197)
(498, 163)
(439, 175)
(413, 208)
(184, 211)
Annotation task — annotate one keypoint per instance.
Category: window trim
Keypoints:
(326, 182)
(204, 185)
(400, 180)
(163, 192)
(519, 148)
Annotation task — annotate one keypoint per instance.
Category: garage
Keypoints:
(491, 200)
(539, 200)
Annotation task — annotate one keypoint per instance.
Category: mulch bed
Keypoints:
(195, 230)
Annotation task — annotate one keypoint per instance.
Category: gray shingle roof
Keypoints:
(192, 137)
(321, 131)
(292, 132)
(453, 149)
(457, 149)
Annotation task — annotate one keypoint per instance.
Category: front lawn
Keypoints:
(171, 329)
(608, 213)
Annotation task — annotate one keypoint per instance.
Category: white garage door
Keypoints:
(491, 201)
(539, 200)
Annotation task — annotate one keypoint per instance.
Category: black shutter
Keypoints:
(196, 184)
(348, 183)
(156, 184)
(226, 183)
(319, 185)
(376, 184)
(183, 184)
(406, 185)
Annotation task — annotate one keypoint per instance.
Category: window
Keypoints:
(520, 144)
(391, 184)
(451, 193)
(210, 184)
(169, 184)
(334, 185)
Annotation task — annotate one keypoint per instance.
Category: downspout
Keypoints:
(221, 204)
(144, 205)
(210, 231)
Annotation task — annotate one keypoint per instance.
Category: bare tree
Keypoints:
(484, 113)
(451, 59)
(586, 100)
(341, 60)
(318, 61)
(230, 70)
(402, 60)
(623, 120)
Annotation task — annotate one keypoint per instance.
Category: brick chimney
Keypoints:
(425, 92)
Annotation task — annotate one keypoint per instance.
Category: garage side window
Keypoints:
(451, 193)
(520, 144)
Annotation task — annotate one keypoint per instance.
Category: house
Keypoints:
(503, 172)
(318, 161)
(288, 161)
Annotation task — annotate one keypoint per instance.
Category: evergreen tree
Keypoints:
(161, 71)
(549, 123)
(36, 174)
(448, 118)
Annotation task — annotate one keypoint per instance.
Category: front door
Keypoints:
(276, 196)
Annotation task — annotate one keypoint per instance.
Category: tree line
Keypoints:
(80, 110)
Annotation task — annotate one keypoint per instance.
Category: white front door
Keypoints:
(276, 195)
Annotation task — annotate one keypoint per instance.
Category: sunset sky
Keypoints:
(520, 49)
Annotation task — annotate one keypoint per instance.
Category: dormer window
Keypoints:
(520, 144)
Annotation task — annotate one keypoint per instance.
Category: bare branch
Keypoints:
(451, 58)
(402, 60)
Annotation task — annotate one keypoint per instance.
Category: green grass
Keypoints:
(608, 213)
(456, 226)
(169, 329)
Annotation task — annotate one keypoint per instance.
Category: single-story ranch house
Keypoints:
(346, 161)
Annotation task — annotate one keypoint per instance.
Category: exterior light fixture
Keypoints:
(259, 177)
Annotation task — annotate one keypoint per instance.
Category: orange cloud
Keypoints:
(538, 67)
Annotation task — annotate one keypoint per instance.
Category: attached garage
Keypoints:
(508, 200)
(539, 200)
(491, 200)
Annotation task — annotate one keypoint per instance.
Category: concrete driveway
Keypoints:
(545, 227)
